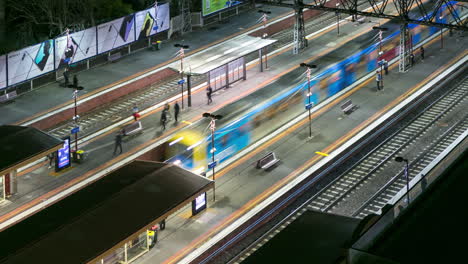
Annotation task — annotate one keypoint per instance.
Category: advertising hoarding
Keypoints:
(63, 157)
(199, 204)
(151, 21)
(213, 6)
(116, 33)
(3, 71)
(30, 62)
(76, 47)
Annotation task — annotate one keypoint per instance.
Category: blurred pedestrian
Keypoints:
(209, 92)
(412, 59)
(135, 113)
(118, 142)
(385, 66)
(66, 76)
(163, 119)
(176, 112)
(421, 49)
(51, 157)
(75, 81)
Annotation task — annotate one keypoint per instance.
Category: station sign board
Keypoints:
(63, 157)
(199, 204)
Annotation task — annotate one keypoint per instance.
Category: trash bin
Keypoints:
(79, 156)
(156, 45)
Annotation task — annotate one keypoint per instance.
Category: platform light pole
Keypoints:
(265, 34)
(213, 149)
(441, 34)
(380, 61)
(401, 159)
(181, 54)
(309, 94)
(337, 19)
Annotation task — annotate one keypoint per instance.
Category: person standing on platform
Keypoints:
(51, 157)
(118, 143)
(412, 59)
(75, 81)
(378, 78)
(385, 67)
(422, 53)
(163, 119)
(176, 112)
(209, 92)
(135, 113)
(66, 76)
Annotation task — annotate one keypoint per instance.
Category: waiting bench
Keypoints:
(8, 96)
(348, 107)
(267, 161)
(132, 128)
(114, 57)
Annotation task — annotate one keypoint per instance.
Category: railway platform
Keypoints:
(51, 95)
(240, 186)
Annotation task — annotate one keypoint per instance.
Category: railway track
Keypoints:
(374, 162)
(120, 109)
(454, 101)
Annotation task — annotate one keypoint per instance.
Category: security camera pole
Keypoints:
(380, 60)
(309, 94)
(265, 34)
(213, 162)
(181, 55)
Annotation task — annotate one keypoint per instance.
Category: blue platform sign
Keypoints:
(75, 130)
(63, 159)
(309, 106)
(212, 164)
(181, 81)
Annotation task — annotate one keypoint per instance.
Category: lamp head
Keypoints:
(399, 159)
(206, 115)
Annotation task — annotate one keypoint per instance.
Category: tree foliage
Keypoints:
(32, 21)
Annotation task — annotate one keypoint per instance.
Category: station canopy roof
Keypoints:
(100, 218)
(21, 145)
(223, 53)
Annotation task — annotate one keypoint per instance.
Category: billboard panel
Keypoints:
(77, 47)
(3, 71)
(116, 33)
(152, 21)
(63, 157)
(213, 6)
(30, 62)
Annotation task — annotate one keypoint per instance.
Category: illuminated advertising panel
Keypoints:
(3, 71)
(151, 21)
(116, 33)
(30, 62)
(213, 6)
(77, 47)
(63, 158)
(199, 204)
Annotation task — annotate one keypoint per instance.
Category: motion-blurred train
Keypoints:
(190, 148)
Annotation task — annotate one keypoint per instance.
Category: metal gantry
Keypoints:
(424, 15)
(186, 16)
(300, 41)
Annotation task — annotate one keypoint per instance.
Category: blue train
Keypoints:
(190, 148)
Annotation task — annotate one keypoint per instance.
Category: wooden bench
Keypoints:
(132, 128)
(348, 107)
(114, 57)
(267, 161)
(7, 97)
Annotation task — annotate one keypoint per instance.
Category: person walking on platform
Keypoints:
(421, 49)
(118, 143)
(411, 59)
(209, 92)
(378, 78)
(163, 119)
(135, 113)
(75, 81)
(385, 67)
(51, 158)
(176, 112)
